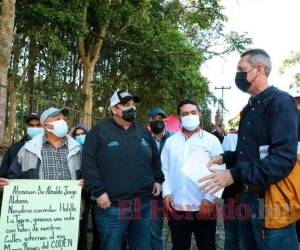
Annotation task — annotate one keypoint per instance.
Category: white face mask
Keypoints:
(190, 122)
(60, 128)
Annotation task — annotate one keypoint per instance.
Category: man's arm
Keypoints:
(281, 158)
(89, 165)
(15, 169)
(156, 163)
(5, 164)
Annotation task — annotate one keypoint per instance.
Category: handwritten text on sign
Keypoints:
(40, 214)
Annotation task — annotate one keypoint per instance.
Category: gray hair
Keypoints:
(259, 56)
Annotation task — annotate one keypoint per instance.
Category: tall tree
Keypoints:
(7, 19)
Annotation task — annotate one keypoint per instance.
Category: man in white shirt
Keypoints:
(191, 210)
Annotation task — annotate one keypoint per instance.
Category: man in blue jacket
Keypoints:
(121, 167)
(265, 154)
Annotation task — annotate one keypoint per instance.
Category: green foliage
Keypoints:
(153, 48)
(289, 63)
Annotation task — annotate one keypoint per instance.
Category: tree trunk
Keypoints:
(13, 81)
(89, 51)
(12, 97)
(87, 93)
(7, 19)
(32, 58)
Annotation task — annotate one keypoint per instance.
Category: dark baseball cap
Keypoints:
(31, 116)
(122, 96)
(156, 111)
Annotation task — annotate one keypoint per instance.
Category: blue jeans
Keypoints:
(252, 233)
(129, 220)
(157, 222)
(231, 235)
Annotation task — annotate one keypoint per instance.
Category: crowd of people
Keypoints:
(131, 174)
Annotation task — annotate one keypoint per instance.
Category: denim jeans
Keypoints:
(231, 233)
(157, 222)
(131, 220)
(252, 233)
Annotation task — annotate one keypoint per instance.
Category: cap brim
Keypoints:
(28, 119)
(158, 113)
(64, 111)
(128, 98)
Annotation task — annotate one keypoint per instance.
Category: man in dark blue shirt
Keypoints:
(157, 125)
(265, 154)
(121, 167)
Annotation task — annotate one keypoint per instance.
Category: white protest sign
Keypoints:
(195, 167)
(40, 214)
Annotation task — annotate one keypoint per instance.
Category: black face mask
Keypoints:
(129, 114)
(241, 81)
(157, 126)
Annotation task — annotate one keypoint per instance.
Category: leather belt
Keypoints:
(253, 188)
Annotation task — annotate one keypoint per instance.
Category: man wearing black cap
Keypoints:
(157, 125)
(50, 156)
(121, 166)
(33, 128)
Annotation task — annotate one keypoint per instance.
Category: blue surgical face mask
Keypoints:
(60, 128)
(80, 138)
(33, 131)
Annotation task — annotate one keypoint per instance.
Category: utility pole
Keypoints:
(222, 89)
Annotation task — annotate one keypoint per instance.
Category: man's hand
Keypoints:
(206, 208)
(103, 201)
(156, 189)
(81, 183)
(216, 181)
(3, 182)
(168, 202)
(217, 159)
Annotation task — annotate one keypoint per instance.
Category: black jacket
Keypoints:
(123, 163)
(267, 143)
(10, 155)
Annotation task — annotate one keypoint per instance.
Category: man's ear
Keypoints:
(113, 110)
(47, 126)
(261, 68)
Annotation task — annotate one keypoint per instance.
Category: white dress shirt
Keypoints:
(186, 194)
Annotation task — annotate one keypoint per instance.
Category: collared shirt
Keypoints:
(55, 162)
(161, 142)
(186, 194)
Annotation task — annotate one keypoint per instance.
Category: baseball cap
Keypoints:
(121, 96)
(156, 111)
(50, 112)
(32, 116)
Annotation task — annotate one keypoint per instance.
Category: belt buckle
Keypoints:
(246, 187)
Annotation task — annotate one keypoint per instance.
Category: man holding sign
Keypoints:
(191, 210)
(53, 156)
(44, 214)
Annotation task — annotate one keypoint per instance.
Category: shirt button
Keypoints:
(244, 138)
(253, 109)
(248, 123)
(241, 152)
